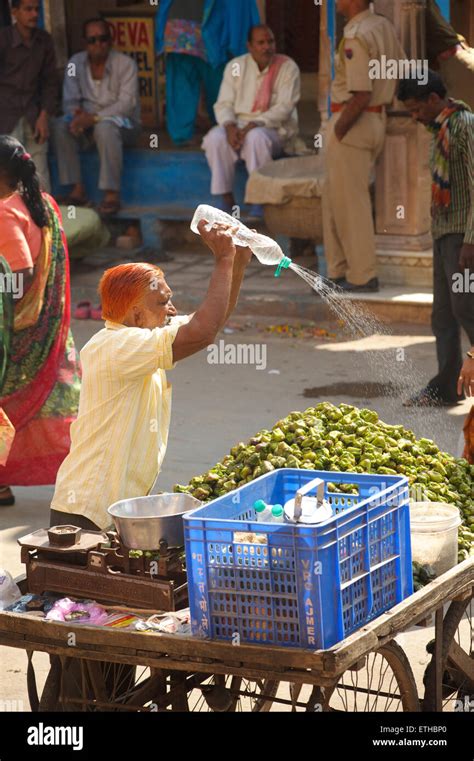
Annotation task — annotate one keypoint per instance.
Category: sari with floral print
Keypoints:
(39, 366)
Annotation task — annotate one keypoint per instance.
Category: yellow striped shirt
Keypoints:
(119, 439)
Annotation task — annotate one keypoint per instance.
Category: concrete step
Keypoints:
(188, 271)
(156, 185)
(153, 177)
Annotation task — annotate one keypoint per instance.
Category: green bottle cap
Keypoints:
(259, 506)
(277, 511)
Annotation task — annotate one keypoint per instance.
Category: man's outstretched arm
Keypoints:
(210, 317)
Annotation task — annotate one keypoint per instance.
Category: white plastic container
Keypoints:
(434, 535)
(264, 248)
(311, 512)
(263, 512)
(277, 515)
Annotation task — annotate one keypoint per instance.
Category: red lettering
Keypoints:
(121, 34)
(132, 32)
(113, 32)
(143, 36)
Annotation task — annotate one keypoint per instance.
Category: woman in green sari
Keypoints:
(39, 367)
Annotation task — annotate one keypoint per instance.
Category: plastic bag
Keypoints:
(9, 591)
(30, 603)
(178, 622)
(82, 612)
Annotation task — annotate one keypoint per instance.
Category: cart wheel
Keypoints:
(226, 694)
(50, 695)
(85, 685)
(457, 659)
(380, 681)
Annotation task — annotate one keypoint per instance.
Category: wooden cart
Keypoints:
(119, 670)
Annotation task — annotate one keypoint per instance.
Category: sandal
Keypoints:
(6, 497)
(82, 310)
(109, 208)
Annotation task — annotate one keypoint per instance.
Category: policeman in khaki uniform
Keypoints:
(355, 138)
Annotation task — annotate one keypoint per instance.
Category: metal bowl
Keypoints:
(143, 522)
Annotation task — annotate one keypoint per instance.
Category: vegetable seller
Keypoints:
(119, 439)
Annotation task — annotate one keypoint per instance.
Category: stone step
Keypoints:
(188, 270)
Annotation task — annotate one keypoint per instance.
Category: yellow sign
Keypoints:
(135, 36)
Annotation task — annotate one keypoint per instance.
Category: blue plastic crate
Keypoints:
(296, 586)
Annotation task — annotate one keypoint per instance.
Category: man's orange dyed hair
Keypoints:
(122, 287)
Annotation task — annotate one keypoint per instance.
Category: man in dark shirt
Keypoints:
(28, 83)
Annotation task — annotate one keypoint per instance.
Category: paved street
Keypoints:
(217, 405)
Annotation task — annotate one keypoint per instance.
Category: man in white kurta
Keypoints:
(255, 112)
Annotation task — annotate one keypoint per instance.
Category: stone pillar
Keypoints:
(55, 23)
(324, 73)
(403, 181)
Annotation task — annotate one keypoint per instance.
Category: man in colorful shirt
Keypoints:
(452, 209)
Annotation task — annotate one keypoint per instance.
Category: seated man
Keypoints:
(255, 112)
(101, 105)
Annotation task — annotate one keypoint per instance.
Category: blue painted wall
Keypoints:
(150, 179)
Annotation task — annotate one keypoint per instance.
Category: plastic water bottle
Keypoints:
(277, 515)
(263, 511)
(263, 247)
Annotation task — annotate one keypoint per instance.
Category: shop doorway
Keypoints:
(296, 29)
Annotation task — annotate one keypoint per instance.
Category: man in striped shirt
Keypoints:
(452, 209)
(119, 439)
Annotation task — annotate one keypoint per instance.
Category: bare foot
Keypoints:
(110, 204)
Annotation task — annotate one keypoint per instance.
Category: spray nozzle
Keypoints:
(284, 264)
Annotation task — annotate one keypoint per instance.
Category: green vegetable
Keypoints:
(353, 440)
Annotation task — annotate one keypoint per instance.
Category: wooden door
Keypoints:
(296, 29)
